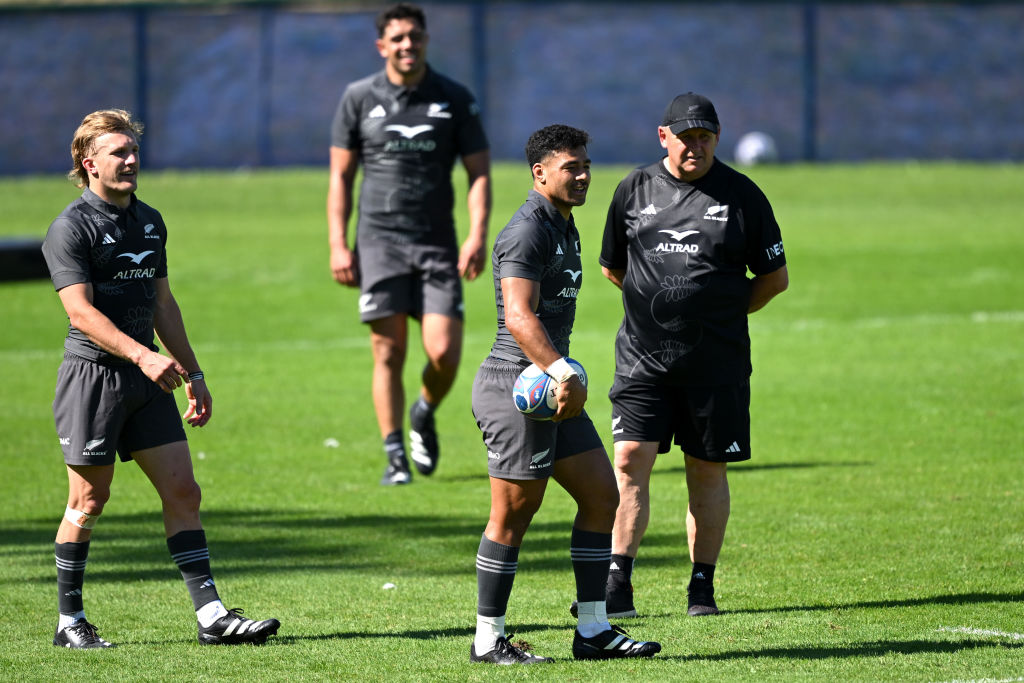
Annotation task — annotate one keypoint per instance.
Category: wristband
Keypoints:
(561, 371)
(193, 376)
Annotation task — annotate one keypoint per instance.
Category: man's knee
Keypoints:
(513, 521)
(88, 499)
(633, 462)
(705, 472)
(184, 495)
(442, 341)
(82, 519)
(388, 350)
(444, 358)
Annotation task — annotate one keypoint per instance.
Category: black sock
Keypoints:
(496, 566)
(591, 552)
(702, 578)
(621, 569)
(393, 445)
(189, 552)
(71, 558)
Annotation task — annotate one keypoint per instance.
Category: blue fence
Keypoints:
(248, 86)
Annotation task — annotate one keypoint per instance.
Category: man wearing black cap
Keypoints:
(680, 236)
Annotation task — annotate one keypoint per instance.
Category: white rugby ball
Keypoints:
(756, 148)
(534, 391)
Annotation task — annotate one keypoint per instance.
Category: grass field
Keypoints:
(877, 534)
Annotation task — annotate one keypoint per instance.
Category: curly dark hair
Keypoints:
(552, 139)
(403, 10)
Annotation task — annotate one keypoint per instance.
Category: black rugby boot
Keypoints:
(612, 644)
(80, 635)
(234, 629)
(506, 653)
(423, 444)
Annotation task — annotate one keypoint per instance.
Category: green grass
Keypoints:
(877, 534)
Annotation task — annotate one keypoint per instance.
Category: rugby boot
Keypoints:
(612, 644)
(506, 653)
(398, 468)
(423, 443)
(235, 629)
(701, 600)
(80, 635)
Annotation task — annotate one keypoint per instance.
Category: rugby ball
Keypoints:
(756, 147)
(534, 391)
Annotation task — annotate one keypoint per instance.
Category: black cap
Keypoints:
(690, 111)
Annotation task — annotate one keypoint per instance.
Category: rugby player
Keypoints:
(406, 125)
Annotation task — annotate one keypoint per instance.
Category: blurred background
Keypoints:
(256, 84)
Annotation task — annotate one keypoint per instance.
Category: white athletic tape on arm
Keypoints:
(79, 518)
(561, 371)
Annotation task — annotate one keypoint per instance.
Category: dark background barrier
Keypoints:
(229, 86)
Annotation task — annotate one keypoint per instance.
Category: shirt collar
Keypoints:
(402, 90)
(553, 214)
(100, 204)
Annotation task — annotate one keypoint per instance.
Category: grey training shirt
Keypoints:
(538, 244)
(408, 140)
(121, 252)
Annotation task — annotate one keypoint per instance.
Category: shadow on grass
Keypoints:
(416, 634)
(268, 542)
(955, 599)
(744, 467)
(869, 649)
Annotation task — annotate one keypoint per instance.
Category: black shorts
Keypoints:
(103, 409)
(518, 447)
(407, 278)
(710, 423)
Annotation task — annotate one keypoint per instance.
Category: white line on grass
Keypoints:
(981, 632)
(986, 680)
(977, 317)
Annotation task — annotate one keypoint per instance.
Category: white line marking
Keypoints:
(981, 632)
(977, 317)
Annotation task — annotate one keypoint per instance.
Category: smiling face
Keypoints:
(563, 177)
(690, 153)
(113, 167)
(403, 45)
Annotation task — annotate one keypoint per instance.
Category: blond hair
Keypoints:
(93, 126)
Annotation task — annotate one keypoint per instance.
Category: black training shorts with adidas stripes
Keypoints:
(518, 447)
(708, 422)
(104, 410)
(411, 279)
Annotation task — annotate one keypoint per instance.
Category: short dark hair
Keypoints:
(403, 10)
(552, 139)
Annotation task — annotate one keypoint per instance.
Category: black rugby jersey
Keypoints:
(686, 249)
(120, 252)
(538, 244)
(408, 140)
